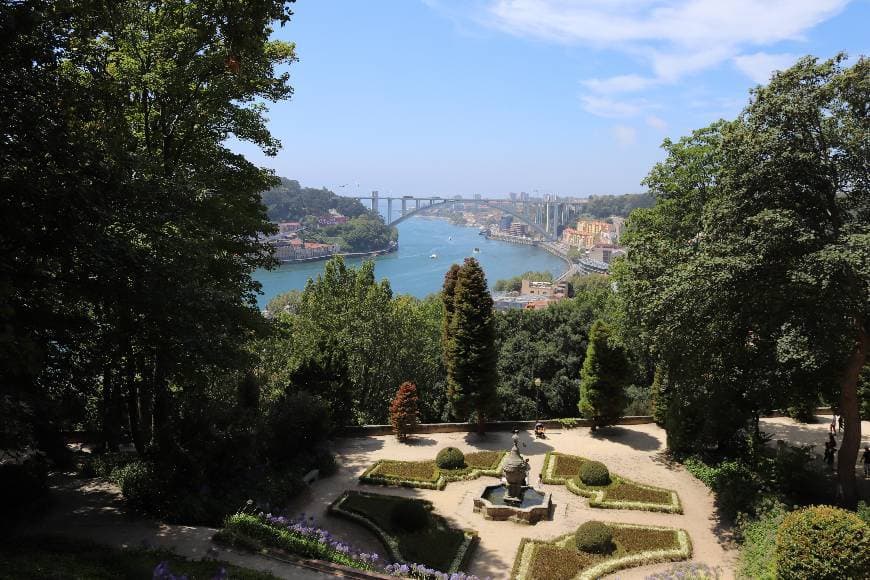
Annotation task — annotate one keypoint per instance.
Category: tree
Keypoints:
(404, 416)
(470, 352)
(603, 378)
(750, 275)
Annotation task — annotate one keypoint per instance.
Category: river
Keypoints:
(410, 270)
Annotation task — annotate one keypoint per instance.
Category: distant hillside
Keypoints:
(292, 202)
(602, 206)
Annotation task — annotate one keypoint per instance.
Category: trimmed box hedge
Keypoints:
(620, 493)
(427, 475)
(635, 545)
(437, 545)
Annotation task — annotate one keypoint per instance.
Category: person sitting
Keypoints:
(539, 430)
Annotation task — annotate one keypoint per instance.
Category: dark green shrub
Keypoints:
(450, 458)
(594, 473)
(594, 537)
(140, 485)
(822, 542)
(736, 485)
(409, 516)
(324, 461)
(864, 511)
(25, 487)
(759, 542)
(102, 465)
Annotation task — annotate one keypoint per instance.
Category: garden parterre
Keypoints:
(620, 493)
(427, 475)
(634, 545)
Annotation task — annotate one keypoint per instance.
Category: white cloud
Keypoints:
(625, 136)
(674, 38)
(760, 66)
(656, 122)
(620, 84)
(606, 107)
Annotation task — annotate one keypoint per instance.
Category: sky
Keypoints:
(568, 97)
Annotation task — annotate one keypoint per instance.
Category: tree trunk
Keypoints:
(848, 454)
(133, 403)
(111, 412)
(161, 402)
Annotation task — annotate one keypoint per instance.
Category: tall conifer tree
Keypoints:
(602, 379)
(469, 348)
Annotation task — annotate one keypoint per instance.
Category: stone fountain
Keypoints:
(514, 500)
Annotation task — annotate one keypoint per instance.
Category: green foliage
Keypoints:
(141, 486)
(726, 216)
(286, 302)
(409, 516)
(602, 379)
(514, 284)
(863, 511)
(294, 424)
(736, 485)
(364, 233)
(822, 542)
(450, 458)
(437, 544)
(25, 489)
(757, 554)
(55, 557)
(604, 206)
(594, 473)
(288, 201)
(567, 423)
(594, 537)
(470, 353)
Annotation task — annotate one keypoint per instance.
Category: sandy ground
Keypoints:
(632, 451)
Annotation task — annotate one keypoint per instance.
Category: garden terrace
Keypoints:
(620, 493)
(634, 545)
(427, 475)
(436, 544)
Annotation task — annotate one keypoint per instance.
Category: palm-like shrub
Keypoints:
(822, 542)
(450, 458)
(594, 537)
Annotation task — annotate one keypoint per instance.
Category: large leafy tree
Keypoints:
(750, 275)
(139, 226)
(470, 352)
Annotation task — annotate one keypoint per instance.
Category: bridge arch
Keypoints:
(502, 207)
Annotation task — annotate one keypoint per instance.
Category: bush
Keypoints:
(759, 543)
(140, 485)
(822, 542)
(594, 473)
(25, 486)
(450, 458)
(409, 516)
(404, 415)
(736, 485)
(594, 537)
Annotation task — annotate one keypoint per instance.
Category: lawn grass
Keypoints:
(427, 475)
(49, 558)
(438, 545)
(620, 493)
(635, 545)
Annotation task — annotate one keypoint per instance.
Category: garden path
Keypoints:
(92, 509)
(633, 451)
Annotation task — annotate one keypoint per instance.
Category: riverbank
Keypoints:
(411, 270)
(551, 247)
(393, 247)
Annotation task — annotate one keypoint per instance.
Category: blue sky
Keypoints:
(571, 97)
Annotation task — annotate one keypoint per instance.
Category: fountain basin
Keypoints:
(495, 503)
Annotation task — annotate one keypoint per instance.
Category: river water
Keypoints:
(410, 270)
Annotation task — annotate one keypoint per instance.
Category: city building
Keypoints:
(518, 229)
(295, 249)
(557, 290)
(605, 252)
(333, 218)
(289, 227)
(587, 234)
(504, 224)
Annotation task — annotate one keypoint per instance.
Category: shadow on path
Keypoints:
(635, 439)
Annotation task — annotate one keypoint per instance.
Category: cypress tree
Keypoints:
(602, 378)
(470, 353)
(404, 415)
(448, 294)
